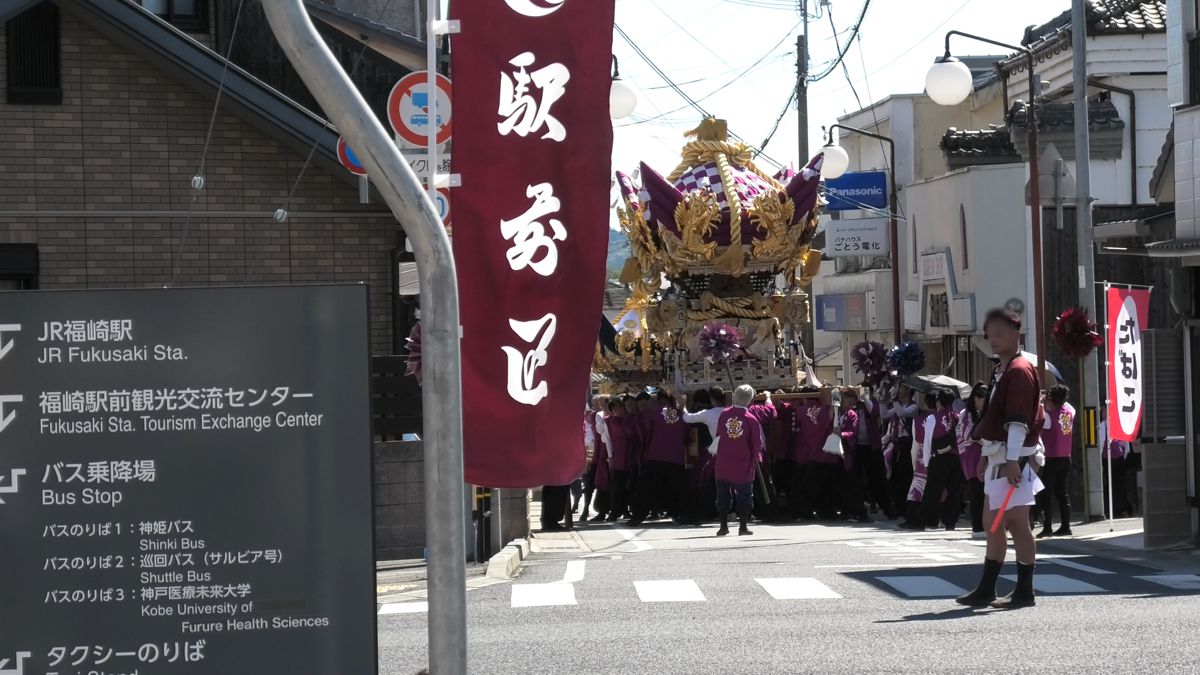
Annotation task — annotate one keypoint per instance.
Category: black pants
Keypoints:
(850, 489)
(944, 475)
(618, 488)
(872, 472)
(820, 490)
(902, 471)
(555, 500)
(660, 486)
(975, 494)
(1056, 477)
(1121, 504)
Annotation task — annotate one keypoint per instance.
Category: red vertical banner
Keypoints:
(532, 143)
(1128, 315)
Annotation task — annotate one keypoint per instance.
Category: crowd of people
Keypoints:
(927, 458)
(906, 455)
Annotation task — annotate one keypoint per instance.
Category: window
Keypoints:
(183, 14)
(962, 224)
(34, 69)
(18, 267)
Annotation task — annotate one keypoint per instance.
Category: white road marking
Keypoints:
(669, 591)
(897, 565)
(543, 595)
(404, 608)
(574, 572)
(923, 587)
(631, 537)
(804, 588)
(1063, 562)
(1178, 582)
(1057, 583)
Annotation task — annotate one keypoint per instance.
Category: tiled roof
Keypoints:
(1104, 17)
(985, 146)
(1054, 115)
(1166, 158)
(1107, 17)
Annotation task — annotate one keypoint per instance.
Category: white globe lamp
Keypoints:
(621, 100)
(836, 161)
(948, 81)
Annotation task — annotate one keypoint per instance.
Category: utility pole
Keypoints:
(802, 94)
(802, 85)
(1090, 396)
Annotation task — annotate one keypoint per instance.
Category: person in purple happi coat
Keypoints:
(738, 449)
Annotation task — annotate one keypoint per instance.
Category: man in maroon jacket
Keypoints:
(1009, 431)
(738, 450)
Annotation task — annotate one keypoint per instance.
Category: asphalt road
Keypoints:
(808, 598)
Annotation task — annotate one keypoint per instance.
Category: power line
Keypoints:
(842, 52)
(739, 76)
(682, 94)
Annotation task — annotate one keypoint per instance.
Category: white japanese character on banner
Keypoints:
(535, 8)
(528, 234)
(523, 114)
(522, 366)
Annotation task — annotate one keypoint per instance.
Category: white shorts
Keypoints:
(996, 488)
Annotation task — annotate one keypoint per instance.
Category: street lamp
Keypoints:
(835, 164)
(949, 82)
(621, 99)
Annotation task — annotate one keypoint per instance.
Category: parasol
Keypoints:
(1033, 359)
(928, 383)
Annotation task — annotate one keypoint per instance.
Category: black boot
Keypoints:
(587, 505)
(1064, 530)
(744, 522)
(985, 593)
(1022, 595)
(724, 524)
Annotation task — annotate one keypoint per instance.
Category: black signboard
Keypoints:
(185, 482)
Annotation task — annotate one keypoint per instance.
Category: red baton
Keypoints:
(1000, 514)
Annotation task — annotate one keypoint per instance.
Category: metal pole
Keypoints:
(1107, 428)
(441, 372)
(431, 38)
(1035, 206)
(1084, 246)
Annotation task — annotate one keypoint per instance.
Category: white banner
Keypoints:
(857, 238)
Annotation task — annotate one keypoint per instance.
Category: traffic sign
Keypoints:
(409, 104)
(442, 202)
(348, 159)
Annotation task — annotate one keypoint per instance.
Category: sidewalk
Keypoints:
(404, 580)
(1124, 540)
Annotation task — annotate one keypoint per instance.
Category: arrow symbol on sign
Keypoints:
(6, 347)
(11, 490)
(6, 419)
(19, 668)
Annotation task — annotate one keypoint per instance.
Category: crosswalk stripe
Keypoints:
(1057, 583)
(923, 587)
(404, 608)
(574, 573)
(1178, 582)
(543, 595)
(684, 590)
(803, 588)
(1078, 566)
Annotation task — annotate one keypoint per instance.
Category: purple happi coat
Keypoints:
(916, 491)
(739, 446)
(667, 437)
(811, 421)
(1058, 430)
(850, 440)
(619, 435)
(969, 449)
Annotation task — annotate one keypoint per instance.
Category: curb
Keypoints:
(506, 563)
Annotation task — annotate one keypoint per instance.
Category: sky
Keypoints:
(712, 49)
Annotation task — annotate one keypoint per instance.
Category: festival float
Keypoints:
(733, 245)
